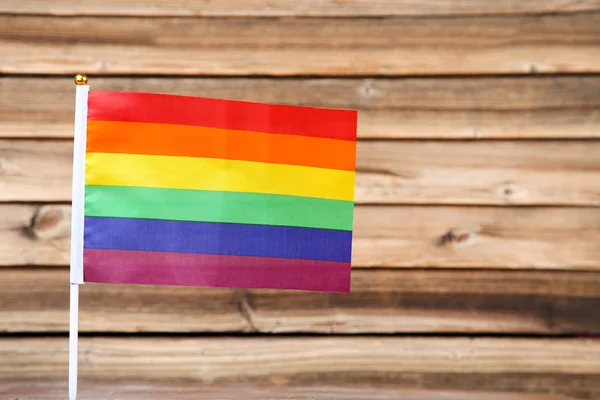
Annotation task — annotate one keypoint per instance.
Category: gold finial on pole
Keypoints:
(81, 79)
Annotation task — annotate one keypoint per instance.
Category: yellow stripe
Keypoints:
(114, 169)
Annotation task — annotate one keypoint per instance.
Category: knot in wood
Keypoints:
(454, 236)
(50, 222)
(509, 192)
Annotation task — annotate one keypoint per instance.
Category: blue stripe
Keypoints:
(217, 238)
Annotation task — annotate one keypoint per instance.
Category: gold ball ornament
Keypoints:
(81, 79)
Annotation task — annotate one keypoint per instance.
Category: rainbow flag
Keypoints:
(204, 192)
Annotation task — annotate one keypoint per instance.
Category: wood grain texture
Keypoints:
(296, 8)
(388, 172)
(442, 108)
(34, 235)
(385, 236)
(535, 237)
(569, 367)
(499, 173)
(512, 44)
(28, 167)
(89, 390)
(434, 301)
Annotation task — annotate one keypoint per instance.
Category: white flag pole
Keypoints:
(73, 339)
(81, 109)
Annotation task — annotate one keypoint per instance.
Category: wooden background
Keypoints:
(477, 244)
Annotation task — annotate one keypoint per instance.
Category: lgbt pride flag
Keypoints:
(205, 192)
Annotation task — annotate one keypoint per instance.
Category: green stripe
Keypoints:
(215, 206)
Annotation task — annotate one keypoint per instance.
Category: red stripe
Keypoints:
(224, 114)
(161, 268)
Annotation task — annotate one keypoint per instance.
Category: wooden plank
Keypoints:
(28, 166)
(471, 237)
(91, 390)
(498, 173)
(434, 301)
(385, 236)
(511, 44)
(245, 8)
(30, 235)
(388, 172)
(557, 366)
(442, 108)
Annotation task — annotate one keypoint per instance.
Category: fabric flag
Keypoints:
(204, 192)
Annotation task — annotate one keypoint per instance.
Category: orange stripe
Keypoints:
(198, 141)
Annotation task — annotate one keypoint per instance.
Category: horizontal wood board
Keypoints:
(385, 236)
(562, 107)
(554, 366)
(91, 390)
(234, 8)
(508, 44)
(388, 172)
(410, 301)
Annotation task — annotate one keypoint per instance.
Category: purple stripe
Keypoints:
(184, 269)
(141, 234)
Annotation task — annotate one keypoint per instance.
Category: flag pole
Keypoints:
(76, 272)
